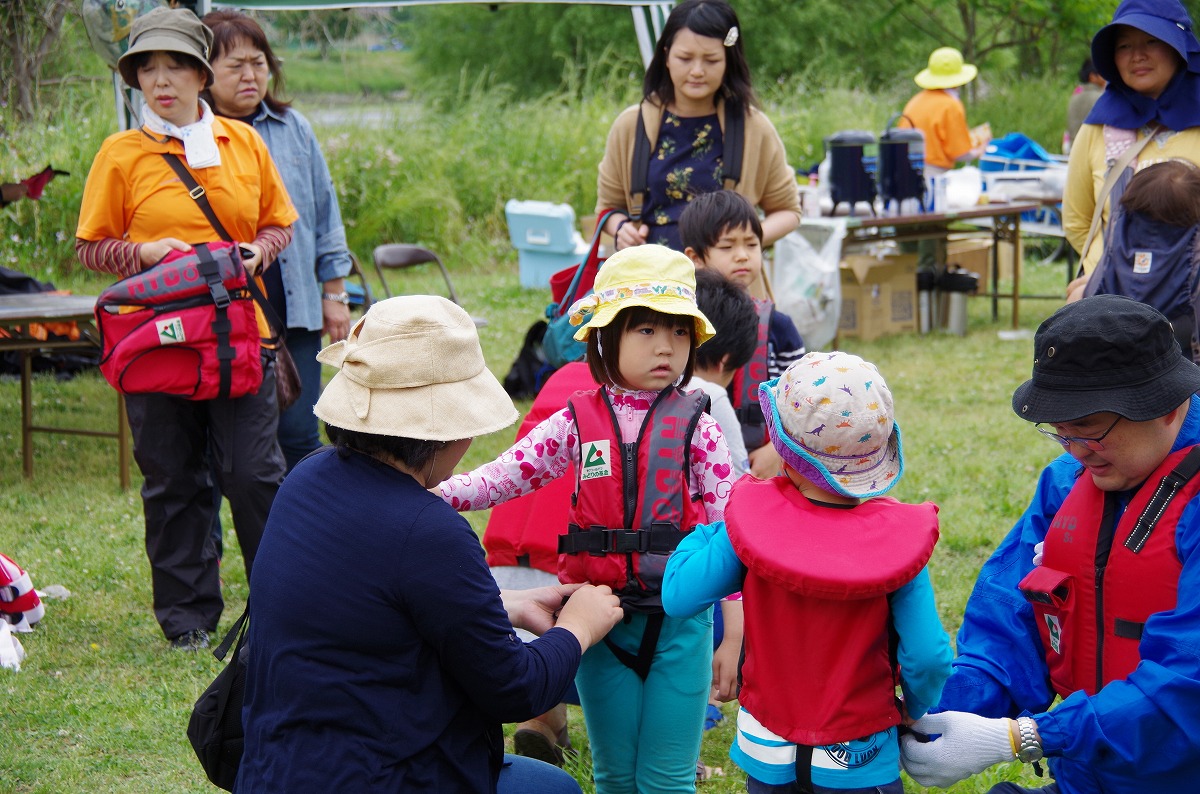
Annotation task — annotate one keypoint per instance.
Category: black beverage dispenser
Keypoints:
(852, 161)
(901, 165)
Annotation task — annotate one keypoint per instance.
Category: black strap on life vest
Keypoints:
(221, 326)
(804, 755)
(1163, 494)
(751, 414)
(661, 538)
(641, 661)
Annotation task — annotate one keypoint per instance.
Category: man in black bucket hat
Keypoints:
(1095, 593)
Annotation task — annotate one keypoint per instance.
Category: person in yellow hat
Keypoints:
(939, 114)
(649, 464)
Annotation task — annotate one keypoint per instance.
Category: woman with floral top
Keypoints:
(697, 81)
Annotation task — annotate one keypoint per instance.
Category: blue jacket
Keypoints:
(381, 658)
(318, 251)
(1138, 735)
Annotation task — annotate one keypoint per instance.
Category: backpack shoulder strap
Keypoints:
(734, 142)
(639, 167)
(1110, 180)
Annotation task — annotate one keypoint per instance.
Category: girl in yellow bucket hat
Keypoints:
(649, 464)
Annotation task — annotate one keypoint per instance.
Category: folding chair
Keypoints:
(360, 293)
(394, 256)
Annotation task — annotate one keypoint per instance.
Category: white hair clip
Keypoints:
(731, 37)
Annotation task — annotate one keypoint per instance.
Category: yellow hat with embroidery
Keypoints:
(652, 276)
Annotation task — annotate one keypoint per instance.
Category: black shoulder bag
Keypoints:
(215, 728)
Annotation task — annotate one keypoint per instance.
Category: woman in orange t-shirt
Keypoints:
(135, 211)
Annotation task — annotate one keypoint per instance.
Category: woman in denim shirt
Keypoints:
(307, 288)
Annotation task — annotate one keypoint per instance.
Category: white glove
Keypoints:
(11, 652)
(968, 745)
(1037, 553)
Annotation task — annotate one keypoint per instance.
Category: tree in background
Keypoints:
(321, 29)
(29, 29)
(869, 43)
(1037, 36)
(528, 47)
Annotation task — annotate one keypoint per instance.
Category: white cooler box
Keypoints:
(546, 239)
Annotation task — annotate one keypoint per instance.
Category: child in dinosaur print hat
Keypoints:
(821, 550)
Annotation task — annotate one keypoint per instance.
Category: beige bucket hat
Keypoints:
(412, 368)
(166, 30)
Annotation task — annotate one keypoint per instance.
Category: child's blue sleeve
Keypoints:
(701, 571)
(924, 652)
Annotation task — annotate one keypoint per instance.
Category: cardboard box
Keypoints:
(975, 254)
(879, 296)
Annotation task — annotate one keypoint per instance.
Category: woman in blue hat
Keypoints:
(1151, 59)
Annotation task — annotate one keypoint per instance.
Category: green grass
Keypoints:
(101, 705)
(346, 73)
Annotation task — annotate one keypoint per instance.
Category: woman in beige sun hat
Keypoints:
(382, 656)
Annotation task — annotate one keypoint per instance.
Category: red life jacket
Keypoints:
(525, 531)
(746, 380)
(819, 668)
(632, 504)
(1099, 582)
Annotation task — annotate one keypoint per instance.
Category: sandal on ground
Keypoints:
(712, 717)
(704, 772)
(535, 739)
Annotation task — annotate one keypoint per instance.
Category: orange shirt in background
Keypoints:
(943, 120)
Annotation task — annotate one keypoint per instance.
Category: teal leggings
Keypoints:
(645, 735)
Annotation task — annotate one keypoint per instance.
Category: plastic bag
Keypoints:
(806, 282)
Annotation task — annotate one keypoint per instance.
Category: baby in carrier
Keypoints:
(1152, 250)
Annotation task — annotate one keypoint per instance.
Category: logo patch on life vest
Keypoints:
(1055, 633)
(1142, 261)
(596, 462)
(852, 754)
(170, 331)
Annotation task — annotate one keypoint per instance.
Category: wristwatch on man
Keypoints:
(1027, 743)
(337, 297)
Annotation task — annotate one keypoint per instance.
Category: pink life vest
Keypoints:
(818, 665)
(632, 504)
(1099, 583)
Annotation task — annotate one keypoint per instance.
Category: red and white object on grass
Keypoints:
(20, 606)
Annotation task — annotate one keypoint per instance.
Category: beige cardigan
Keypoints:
(767, 179)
